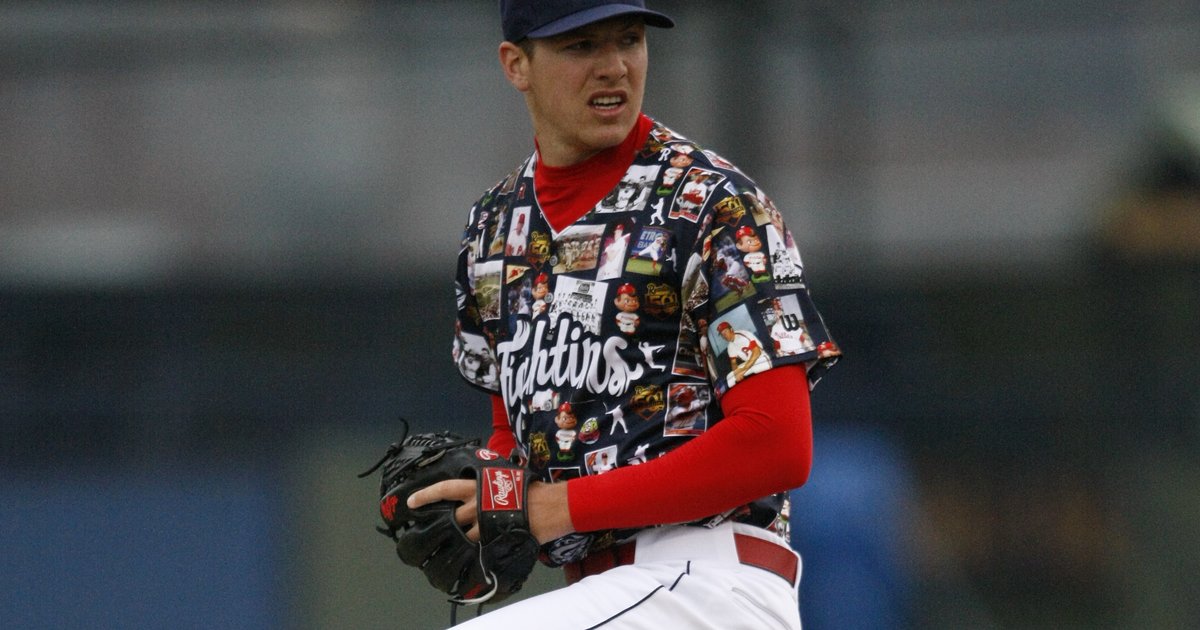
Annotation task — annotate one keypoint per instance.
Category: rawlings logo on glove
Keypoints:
(504, 489)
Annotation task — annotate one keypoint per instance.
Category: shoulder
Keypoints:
(506, 186)
(501, 193)
(685, 151)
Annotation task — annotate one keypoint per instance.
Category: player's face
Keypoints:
(626, 191)
(584, 88)
(627, 302)
(749, 243)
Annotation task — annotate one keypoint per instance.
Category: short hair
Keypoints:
(526, 45)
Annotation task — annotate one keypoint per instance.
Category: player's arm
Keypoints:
(733, 360)
(740, 370)
(548, 507)
(762, 446)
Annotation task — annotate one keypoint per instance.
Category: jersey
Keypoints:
(610, 342)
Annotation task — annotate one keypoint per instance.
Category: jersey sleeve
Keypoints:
(477, 294)
(759, 313)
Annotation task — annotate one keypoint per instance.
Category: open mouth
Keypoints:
(607, 102)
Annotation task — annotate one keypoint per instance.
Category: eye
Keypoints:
(582, 45)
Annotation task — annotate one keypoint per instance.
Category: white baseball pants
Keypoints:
(681, 577)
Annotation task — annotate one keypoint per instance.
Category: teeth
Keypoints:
(607, 101)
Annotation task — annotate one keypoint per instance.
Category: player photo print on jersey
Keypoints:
(789, 334)
(694, 192)
(612, 255)
(518, 233)
(631, 192)
(651, 252)
(582, 300)
(687, 409)
(577, 249)
(731, 279)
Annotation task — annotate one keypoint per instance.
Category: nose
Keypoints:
(611, 63)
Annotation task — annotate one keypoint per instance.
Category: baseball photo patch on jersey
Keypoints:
(694, 192)
(632, 191)
(581, 299)
(651, 252)
(518, 233)
(577, 249)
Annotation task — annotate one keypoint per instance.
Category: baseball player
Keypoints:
(663, 523)
(746, 355)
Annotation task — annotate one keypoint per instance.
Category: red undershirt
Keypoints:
(762, 446)
(566, 193)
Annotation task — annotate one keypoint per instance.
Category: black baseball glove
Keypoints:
(429, 537)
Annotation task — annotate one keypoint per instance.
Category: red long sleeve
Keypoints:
(762, 446)
(502, 440)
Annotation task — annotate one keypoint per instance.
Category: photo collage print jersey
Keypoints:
(612, 341)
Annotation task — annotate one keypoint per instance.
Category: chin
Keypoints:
(613, 133)
(612, 139)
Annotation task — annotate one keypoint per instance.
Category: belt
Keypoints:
(751, 551)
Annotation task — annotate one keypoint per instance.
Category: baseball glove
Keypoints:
(429, 537)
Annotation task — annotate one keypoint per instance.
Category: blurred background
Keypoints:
(227, 234)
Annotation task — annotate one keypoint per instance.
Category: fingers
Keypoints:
(456, 490)
(464, 515)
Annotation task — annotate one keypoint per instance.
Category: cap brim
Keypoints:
(595, 14)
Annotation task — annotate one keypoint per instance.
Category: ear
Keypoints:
(515, 64)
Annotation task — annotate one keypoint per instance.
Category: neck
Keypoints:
(557, 151)
(558, 154)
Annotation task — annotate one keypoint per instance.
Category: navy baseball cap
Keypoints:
(546, 18)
